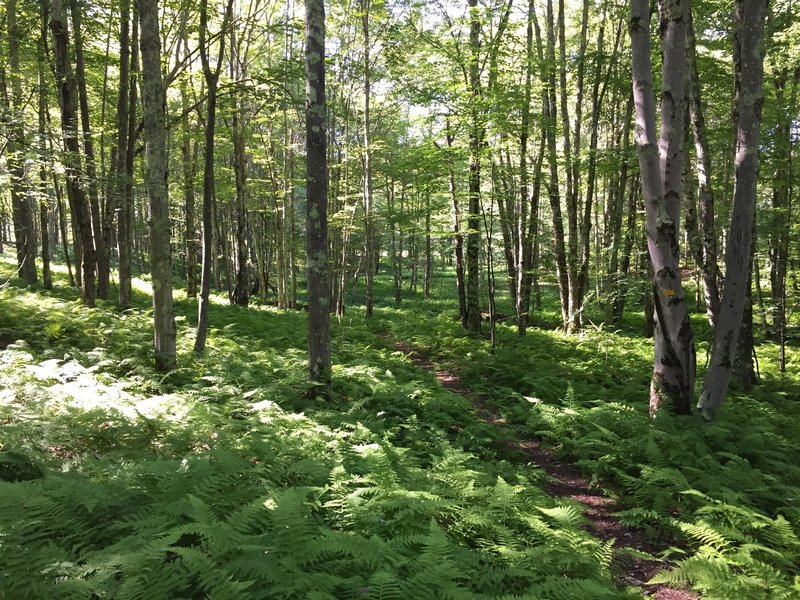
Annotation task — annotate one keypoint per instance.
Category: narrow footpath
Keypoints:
(568, 482)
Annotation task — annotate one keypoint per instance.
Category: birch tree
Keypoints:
(660, 162)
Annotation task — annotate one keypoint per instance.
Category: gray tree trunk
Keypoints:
(22, 215)
(507, 208)
(241, 292)
(749, 20)
(524, 247)
(571, 191)
(599, 88)
(744, 367)
(189, 164)
(369, 232)
(45, 164)
(125, 217)
(708, 231)
(119, 152)
(550, 112)
(90, 185)
(319, 327)
(616, 275)
(65, 81)
(780, 220)
(458, 236)
(674, 361)
(211, 78)
(426, 289)
(156, 183)
(475, 143)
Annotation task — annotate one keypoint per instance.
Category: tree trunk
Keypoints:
(749, 20)
(616, 275)
(506, 202)
(744, 367)
(90, 184)
(708, 264)
(458, 237)
(156, 183)
(126, 217)
(119, 152)
(211, 78)
(62, 223)
(241, 292)
(522, 299)
(80, 206)
(369, 233)
(621, 276)
(426, 289)
(475, 144)
(44, 159)
(319, 328)
(189, 164)
(572, 163)
(531, 281)
(488, 223)
(24, 231)
(550, 113)
(780, 222)
(224, 262)
(599, 88)
(674, 362)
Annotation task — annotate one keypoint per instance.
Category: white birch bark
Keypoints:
(661, 167)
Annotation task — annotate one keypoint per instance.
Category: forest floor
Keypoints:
(568, 482)
(440, 468)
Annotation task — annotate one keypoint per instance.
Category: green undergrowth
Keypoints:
(723, 497)
(226, 479)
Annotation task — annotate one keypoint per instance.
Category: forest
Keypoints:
(399, 299)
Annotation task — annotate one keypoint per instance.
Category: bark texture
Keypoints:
(44, 160)
(90, 180)
(749, 20)
(22, 214)
(319, 327)
(550, 110)
(65, 82)
(125, 215)
(475, 143)
(212, 78)
(708, 233)
(661, 168)
(119, 152)
(156, 184)
(369, 229)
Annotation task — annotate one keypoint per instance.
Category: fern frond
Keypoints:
(569, 516)
(706, 535)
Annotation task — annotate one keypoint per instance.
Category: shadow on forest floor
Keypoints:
(193, 474)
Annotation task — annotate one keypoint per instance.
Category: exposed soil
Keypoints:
(567, 481)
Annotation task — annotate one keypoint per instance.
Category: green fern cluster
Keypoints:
(225, 481)
(726, 489)
(740, 553)
(727, 492)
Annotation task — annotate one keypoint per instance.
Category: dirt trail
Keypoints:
(568, 482)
